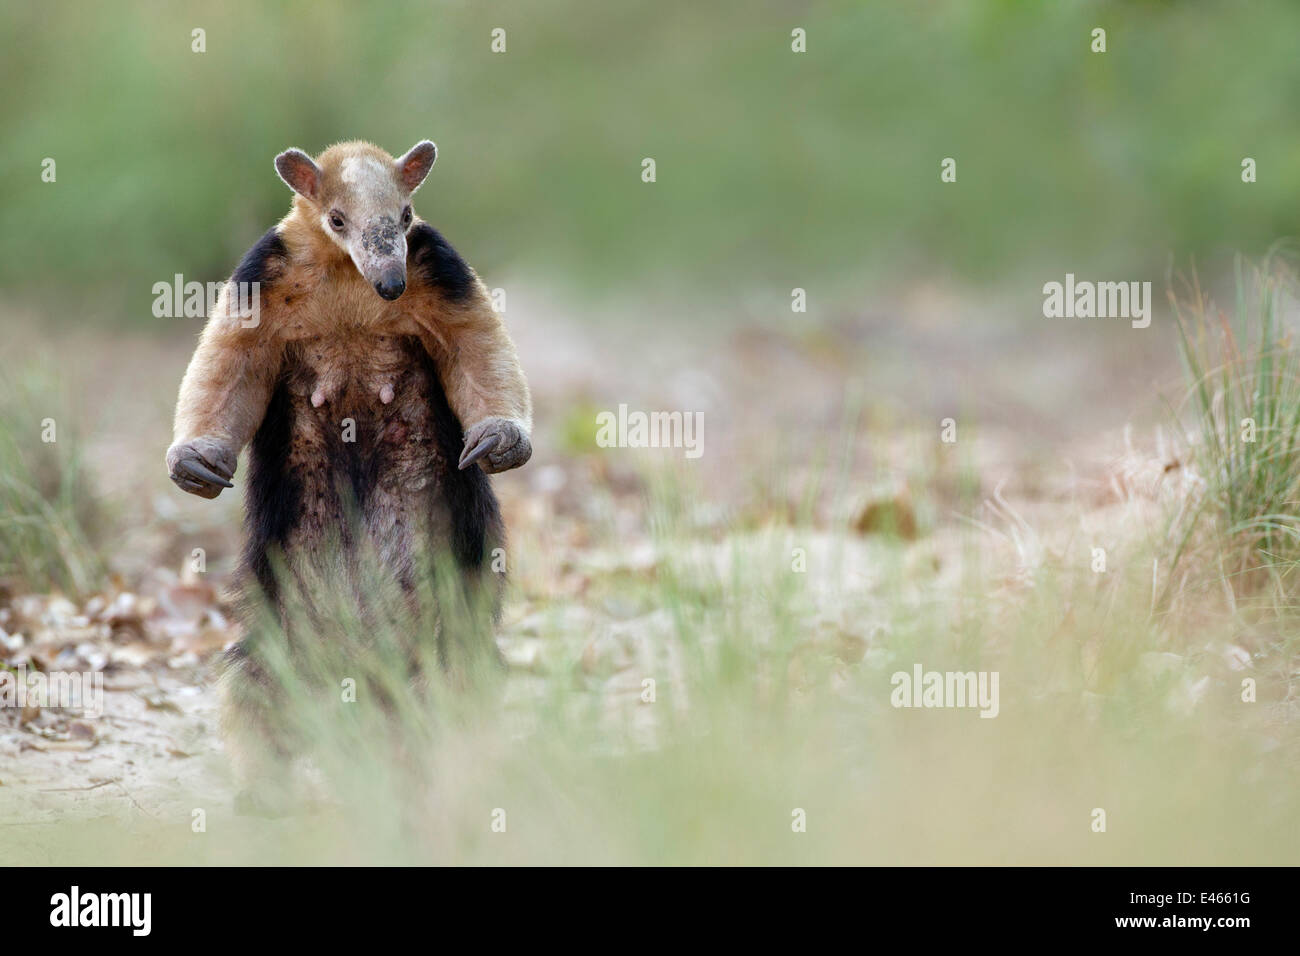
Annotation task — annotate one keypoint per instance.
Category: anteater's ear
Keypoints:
(299, 172)
(415, 165)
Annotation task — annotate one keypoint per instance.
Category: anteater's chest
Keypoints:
(369, 414)
(358, 437)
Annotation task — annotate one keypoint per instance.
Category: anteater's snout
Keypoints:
(391, 284)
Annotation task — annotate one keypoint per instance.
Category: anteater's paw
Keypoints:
(497, 444)
(202, 466)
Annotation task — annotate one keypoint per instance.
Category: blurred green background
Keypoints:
(775, 169)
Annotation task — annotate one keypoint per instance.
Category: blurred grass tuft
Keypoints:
(48, 516)
(1243, 373)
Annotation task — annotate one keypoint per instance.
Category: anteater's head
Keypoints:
(361, 198)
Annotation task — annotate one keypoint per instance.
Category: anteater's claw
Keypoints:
(497, 444)
(478, 451)
(202, 466)
(193, 468)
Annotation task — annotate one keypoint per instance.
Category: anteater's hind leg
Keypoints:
(288, 495)
(261, 748)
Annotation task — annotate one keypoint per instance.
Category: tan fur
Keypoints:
(321, 302)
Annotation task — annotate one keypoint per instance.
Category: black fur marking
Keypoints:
(273, 497)
(263, 263)
(358, 460)
(431, 257)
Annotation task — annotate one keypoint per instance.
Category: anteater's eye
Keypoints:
(336, 221)
(406, 216)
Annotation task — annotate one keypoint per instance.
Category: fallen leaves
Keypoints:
(179, 624)
(170, 625)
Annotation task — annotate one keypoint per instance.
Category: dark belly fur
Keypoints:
(312, 492)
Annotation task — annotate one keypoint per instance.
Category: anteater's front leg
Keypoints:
(484, 384)
(222, 400)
